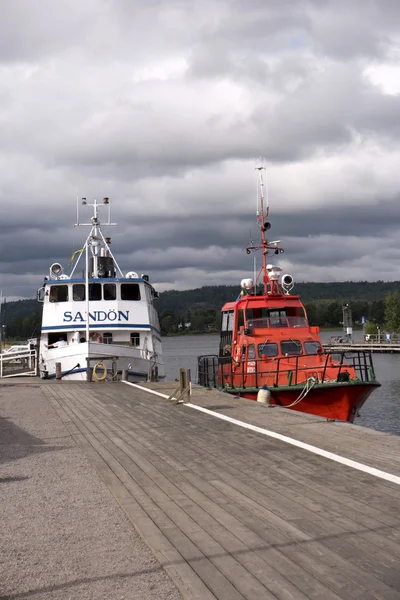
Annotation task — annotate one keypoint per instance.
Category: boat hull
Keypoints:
(73, 361)
(340, 401)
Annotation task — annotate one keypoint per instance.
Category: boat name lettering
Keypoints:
(96, 316)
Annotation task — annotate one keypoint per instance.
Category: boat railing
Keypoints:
(271, 322)
(223, 372)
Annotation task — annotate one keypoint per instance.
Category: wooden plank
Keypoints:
(359, 595)
(191, 477)
(241, 579)
(187, 581)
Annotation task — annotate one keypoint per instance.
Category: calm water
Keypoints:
(381, 411)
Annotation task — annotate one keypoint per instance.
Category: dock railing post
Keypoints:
(58, 370)
(184, 389)
(88, 370)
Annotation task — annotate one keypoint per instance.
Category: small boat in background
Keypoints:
(269, 352)
(99, 322)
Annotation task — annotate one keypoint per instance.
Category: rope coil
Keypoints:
(99, 365)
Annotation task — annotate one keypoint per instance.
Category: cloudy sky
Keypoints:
(163, 105)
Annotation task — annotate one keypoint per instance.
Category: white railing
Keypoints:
(367, 339)
(17, 364)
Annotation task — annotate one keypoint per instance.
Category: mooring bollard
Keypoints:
(185, 387)
(58, 370)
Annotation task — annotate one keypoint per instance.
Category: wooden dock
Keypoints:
(234, 514)
(267, 504)
(382, 347)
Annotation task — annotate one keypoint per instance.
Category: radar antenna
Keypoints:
(270, 285)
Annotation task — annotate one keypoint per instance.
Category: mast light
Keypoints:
(273, 272)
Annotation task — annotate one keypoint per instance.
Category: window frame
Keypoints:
(261, 355)
(59, 287)
(297, 344)
(125, 286)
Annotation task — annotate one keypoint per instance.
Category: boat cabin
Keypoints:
(264, 327)
(120, 310)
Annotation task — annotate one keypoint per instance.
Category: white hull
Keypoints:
(73, 360)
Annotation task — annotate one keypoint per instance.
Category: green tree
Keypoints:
(311, 310)
(168, 322)
(392, 312)
(371, 328)
(376, 311)
(198, 320)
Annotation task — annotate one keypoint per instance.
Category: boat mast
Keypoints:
(95, 242)
(270, 284)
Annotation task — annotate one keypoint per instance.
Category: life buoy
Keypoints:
(96, 337)
(237, 354)
(99, 365)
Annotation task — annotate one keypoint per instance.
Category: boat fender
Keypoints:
(99, 365)
(264, 395)
(237, 354)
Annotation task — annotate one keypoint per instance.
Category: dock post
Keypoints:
(58, 370)
(88, 370)
(185, 387)
(124, 375)
(114, 368)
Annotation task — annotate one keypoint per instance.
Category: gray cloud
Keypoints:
(163, 107)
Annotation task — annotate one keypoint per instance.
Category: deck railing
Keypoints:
(217, 372)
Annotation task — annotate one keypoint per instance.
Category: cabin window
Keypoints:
(312, 347)
(291, 347)
(58, 293)
(267, 350)
(227, 321)
(240, 322)
(257, 317)
(78, 292)
(135, 339)
(251, 354)
(277, 318)
(94, 291)
(107, 338)
(110, 291)
(296, 317)
(130, 291)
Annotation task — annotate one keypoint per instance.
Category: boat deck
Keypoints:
(233, 513)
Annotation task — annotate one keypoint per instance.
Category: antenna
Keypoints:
(270, 284)
(95, 218)
(95, 239)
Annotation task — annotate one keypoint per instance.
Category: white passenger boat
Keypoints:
(98, 322)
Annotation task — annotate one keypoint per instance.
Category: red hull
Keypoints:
(339, 403)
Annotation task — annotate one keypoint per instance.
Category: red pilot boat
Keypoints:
(268, 351)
